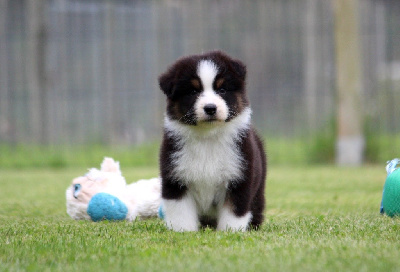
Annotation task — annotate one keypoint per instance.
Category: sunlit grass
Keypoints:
(318, 219)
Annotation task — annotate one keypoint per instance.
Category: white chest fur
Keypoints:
(208, 157)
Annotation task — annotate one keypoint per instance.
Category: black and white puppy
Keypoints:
(212, 163)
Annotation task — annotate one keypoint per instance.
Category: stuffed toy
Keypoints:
(104, 195)
(390, 204)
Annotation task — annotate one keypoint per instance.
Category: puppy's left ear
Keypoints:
(166, 82)
(239, 68)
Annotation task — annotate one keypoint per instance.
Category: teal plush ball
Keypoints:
(161, 213)
(104, 206)
(391, 194)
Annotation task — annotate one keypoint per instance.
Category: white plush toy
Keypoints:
(104, 194)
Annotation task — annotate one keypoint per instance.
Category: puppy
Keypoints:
(212, 162)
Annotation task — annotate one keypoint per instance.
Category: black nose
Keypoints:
(210, 109)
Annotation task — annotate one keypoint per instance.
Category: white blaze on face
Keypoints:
(207, 71)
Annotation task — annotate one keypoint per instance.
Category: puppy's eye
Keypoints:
(195, 91)
(77, 190)
(221, 91)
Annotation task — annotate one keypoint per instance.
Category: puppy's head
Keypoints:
(208, 88)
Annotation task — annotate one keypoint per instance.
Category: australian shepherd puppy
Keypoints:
(212, 162)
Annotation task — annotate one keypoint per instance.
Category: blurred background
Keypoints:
(78, 78)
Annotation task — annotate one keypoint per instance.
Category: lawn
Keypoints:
(318, 219)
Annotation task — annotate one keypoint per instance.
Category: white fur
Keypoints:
(208, 153)
(207, 71)
(115, 187)
(181, 214)
(208, 159)
(209, 198)
(75, 208)
(109, 165)
(144, 197)
(229, 221)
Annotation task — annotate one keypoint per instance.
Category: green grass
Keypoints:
(383, 147)
(316, 149)
(34, 156)
(318, 219)
(280, 151)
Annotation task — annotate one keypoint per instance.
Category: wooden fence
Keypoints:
(85, 71)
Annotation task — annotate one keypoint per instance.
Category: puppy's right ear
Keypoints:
(166, 82)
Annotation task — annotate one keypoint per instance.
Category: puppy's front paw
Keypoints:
(181, 215)
(228, 221)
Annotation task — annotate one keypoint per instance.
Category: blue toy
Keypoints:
(161, 213)
(104, 206)
(102, 194)
(390, 204)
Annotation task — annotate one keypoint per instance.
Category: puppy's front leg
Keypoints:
(181, 214)
(235, 214)
(228, 220)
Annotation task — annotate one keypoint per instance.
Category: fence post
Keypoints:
(311, 62)
(110, 107)
(36, 69)
(350, 139)
(5, 123)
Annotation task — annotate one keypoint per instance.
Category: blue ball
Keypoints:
(161, 213)
(104, 206)
(391, 194)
